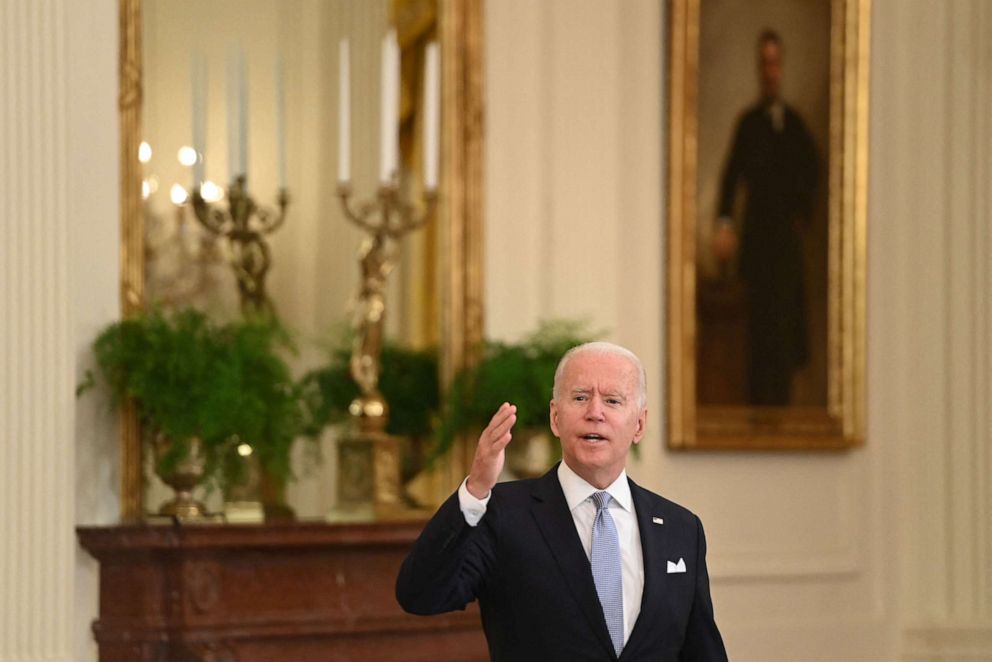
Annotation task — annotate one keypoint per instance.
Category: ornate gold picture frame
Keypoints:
(722, 347)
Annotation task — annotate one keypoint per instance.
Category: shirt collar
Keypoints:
(776, 113)
(577, 490)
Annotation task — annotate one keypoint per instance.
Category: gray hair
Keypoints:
(600, 347)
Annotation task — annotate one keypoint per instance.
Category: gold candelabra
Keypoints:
(369, 459)
(245, 224)
(385, 219)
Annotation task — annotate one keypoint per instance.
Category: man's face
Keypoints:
(598, 415)
(770, 69)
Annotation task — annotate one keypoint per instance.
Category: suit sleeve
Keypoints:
(448, 565)
(703, 642)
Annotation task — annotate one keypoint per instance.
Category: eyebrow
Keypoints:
(580, 390)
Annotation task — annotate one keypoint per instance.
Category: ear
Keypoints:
(553, 415)
(642, 423)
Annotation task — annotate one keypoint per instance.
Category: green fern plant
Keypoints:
(521, 373)
(190, 377)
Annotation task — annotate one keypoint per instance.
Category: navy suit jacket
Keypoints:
(525, 564)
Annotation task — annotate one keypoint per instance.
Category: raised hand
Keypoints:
(490, 453)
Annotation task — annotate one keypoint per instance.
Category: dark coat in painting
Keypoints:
(777, 168)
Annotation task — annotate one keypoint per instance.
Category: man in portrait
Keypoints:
(773, 163)
(581, 564)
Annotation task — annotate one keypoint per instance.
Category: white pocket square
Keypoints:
(676, 567)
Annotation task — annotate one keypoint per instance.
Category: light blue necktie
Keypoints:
(605, 559)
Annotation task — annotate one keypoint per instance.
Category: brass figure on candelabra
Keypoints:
(244, 224)
(385, 220)
(369, 458)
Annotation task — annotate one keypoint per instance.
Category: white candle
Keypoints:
(199, 75)
(390, 108)
(232, 117)
(243, 114)
(344, 113)
(432, 114)
(384, 111)
(280, 125)
(394, 104)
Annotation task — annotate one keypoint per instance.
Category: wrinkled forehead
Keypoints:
(606, 373)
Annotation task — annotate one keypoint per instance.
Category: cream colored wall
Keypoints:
(933, 382)
(879, 553)
(91, 162)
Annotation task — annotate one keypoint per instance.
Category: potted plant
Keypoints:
(258, 401)
(521, 373)
(202, 390)
(408, 382)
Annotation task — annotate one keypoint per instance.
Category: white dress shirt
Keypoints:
(578, 496)
(776, 113)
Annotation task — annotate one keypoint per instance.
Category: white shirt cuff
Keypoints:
(473, 509)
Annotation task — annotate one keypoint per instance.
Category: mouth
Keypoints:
(592, 437)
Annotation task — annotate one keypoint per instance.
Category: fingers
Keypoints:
(488, 462)
(497, 432)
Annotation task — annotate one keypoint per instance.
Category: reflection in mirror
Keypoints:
(251, 87)
(255, 82)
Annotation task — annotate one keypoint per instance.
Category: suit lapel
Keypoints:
(550, 511)
(656, 547)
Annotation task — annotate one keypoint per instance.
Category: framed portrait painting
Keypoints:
(767, 178)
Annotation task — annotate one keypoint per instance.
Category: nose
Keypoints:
(594, 409)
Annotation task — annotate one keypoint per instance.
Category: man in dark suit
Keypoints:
(581, 564)
(773, 158)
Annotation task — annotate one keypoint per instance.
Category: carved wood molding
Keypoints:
(265, 592)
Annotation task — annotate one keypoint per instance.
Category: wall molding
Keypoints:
(784, 566)
(934, 208)
(948, 643)
(839, 552)
(968, 307)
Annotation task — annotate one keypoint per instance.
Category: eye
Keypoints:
(613, 401)
(581, 398)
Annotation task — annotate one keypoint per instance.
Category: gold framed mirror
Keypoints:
(458, 244)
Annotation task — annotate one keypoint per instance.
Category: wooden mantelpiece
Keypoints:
(240, 593)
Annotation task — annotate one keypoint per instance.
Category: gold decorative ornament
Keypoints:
(385, 220)
(244, 224)
(182, 478)
(132, 283)
(368, 450)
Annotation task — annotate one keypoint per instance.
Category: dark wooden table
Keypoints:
(240, 593)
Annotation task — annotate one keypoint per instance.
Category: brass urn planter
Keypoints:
(182, 474)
